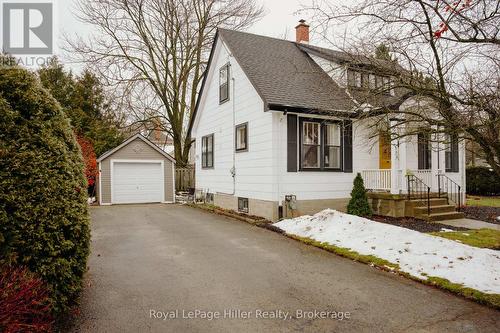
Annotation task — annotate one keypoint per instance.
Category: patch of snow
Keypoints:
(415, 252)
(446, 230)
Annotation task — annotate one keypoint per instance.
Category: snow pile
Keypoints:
(416, 253)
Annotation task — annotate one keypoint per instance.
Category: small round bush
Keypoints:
(43, 206)
(358, 205)
(482, 181)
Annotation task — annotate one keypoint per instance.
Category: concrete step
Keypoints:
(422, 210)
(433, 201)
(443, 216)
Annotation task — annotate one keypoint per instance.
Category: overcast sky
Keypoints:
(280, 20)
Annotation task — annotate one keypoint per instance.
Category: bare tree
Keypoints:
(154, 53)
(448, 55)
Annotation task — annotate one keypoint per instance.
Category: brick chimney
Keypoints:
(302, 32)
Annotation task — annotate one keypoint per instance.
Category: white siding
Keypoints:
(254, 172)
(308, 185)
(336, 71)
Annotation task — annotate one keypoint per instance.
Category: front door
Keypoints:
(384, 150)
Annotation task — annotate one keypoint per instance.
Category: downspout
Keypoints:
(233, 169)
(280, 204)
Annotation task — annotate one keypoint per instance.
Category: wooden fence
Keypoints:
(184, 178)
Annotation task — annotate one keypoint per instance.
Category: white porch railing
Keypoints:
(377, 179)
(381, 180)
(424, 175)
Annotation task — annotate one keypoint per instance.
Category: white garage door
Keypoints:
(137, 182)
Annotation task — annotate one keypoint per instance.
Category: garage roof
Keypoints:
(132, 138)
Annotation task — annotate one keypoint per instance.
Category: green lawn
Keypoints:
(473, 200)
(486, 238)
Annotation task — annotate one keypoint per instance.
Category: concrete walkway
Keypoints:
(148, 260)
(471, 224)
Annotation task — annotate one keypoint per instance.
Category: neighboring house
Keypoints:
(136, 171)
(166, 143)
(162, 140)
(278, 134)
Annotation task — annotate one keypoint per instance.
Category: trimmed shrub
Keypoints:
(482, 181)
(358, 205)
(43, 206)
(24, 302)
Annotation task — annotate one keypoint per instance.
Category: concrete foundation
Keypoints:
(262, 208)
(387, 204)
(311, 207)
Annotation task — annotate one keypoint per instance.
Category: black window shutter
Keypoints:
(454, 154)
(421, 149)
(347, 147)
(292, 143)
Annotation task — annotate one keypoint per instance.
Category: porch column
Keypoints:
(435, 160)
(403, 167)
(396, 155)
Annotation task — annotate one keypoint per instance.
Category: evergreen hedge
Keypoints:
(44, 221)
(358, 205)
(482, 181)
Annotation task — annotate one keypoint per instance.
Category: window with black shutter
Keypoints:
(224, 84)
(320, 145)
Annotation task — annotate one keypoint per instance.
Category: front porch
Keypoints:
(414, 180)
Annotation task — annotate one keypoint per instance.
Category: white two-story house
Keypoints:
(278, 133)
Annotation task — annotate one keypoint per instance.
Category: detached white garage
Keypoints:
(137, 171)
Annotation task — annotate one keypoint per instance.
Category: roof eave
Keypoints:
(312, 111)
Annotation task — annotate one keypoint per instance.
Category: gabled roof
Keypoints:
(285, 76)
(129, 140)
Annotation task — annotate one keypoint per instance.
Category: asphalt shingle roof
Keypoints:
(284, 74)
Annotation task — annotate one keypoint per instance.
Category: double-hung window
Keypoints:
(424, 151)
(311, 145)
(207, 151)
(241, 137)
(331, 146)
(321, 145)
(224, 84)
(451, 153)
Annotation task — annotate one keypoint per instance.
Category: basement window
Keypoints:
(243, 205)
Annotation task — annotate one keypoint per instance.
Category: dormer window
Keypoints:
(224, 84)
(370, 81)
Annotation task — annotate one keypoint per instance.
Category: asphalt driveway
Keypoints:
(152, 260)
